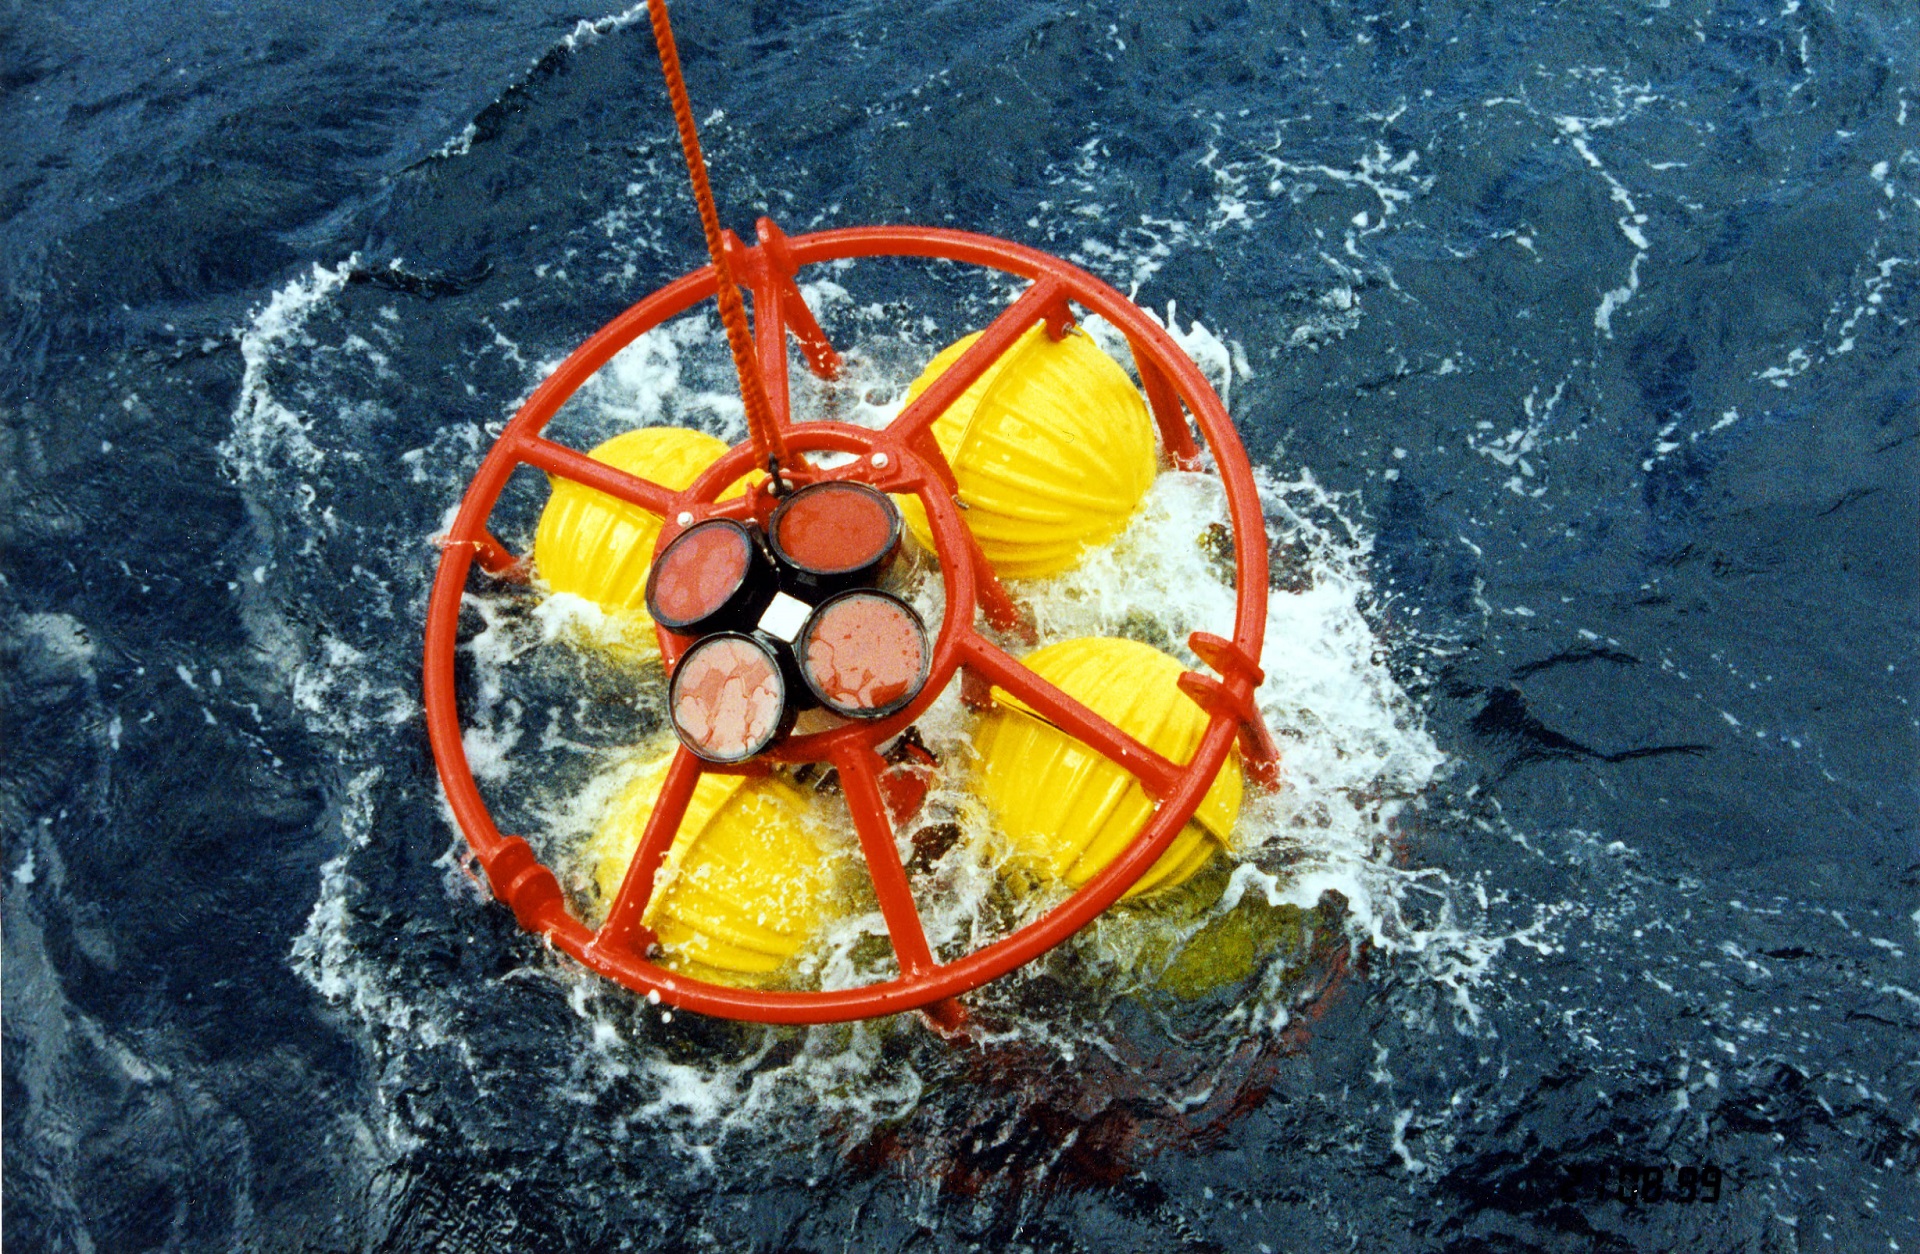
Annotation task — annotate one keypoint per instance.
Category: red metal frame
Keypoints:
(901, 458)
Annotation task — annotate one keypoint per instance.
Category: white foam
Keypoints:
(62, 642)
(265, 431)
(587, 31)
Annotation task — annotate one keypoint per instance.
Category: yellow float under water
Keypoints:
(749, 881)
(1052, 449)
(1066, 810)
(600, 548)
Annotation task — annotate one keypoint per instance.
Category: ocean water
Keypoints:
(1574, 349)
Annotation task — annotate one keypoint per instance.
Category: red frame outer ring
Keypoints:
(913, 464)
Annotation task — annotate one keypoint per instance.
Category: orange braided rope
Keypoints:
(733, 313)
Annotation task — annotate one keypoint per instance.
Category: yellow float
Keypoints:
(1065, 810)
(1052, 449)
(749, 881)
(600, 548)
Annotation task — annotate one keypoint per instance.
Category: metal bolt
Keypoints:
(879, 460)
(685, 518)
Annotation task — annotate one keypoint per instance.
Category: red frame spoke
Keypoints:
(779, 308)
(497, 559)
(1000, 334)
(1175, 437)
(494, 557)
(750, 267)
(927, 448)
(636, 888)
(569, 463)
(860, 769)
(819, 352)
(994, 601)
(1157, 774)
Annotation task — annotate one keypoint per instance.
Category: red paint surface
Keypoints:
(865, 653)
(836, 527)
(727, 697)
(699, 571)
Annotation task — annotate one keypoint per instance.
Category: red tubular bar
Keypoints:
(558, 459)
(814, 345)
(994, 601)
(769, 325)
(497, 559)
(860, 769)
(1155, 773)
(1242, 676)
(1175, 437)
(912, 464)
(1034, 304)
(622, 924)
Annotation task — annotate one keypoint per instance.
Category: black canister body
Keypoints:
(833, 536)
(714, 576)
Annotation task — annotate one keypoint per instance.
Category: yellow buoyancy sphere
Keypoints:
(748, 881)
(599, 547)
(1067, 810)
(1052, 449)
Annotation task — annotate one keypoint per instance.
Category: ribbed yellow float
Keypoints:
(749, 879)
(1052, 449)
(1065, 810)
(599, 547)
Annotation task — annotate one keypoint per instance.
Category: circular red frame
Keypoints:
(900, 458)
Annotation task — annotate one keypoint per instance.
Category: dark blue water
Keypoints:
(1577, 340)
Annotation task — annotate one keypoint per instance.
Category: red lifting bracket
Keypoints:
(1234, 698)
(820, 355)
(768, 271)
(1059, 318)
